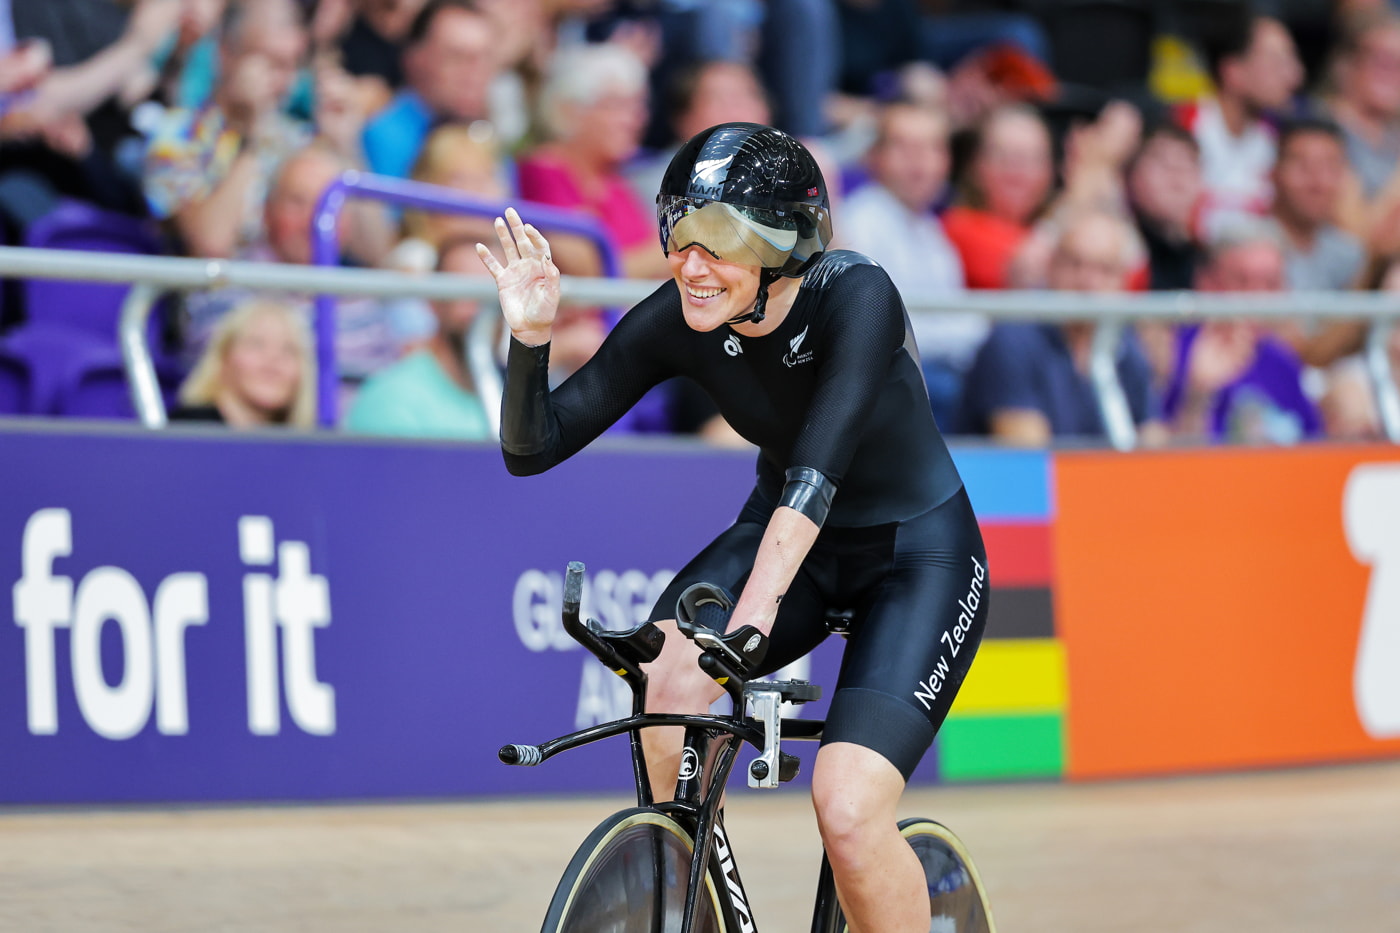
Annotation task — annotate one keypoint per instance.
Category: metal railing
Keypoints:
(325, 248)
(155, 275)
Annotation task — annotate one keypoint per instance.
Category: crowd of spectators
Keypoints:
(957, 155)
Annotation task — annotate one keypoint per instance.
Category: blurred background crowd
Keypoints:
(1074, 145)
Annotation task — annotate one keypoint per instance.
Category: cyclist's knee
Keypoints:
(855, 792)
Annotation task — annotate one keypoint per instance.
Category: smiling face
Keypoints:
(453, 66)
(713, 292)
(1164, 182)
(608, 130)
(291, 204)
(1014, 167)
(1092, 256)
(1308, 178)
(263, 365)
(1371, 76)
(1268, 74)
(910, 156)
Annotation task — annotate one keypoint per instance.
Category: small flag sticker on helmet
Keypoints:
(811, 192)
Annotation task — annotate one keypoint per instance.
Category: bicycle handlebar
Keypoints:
(729, 659)
(573, 590)
(584, 634)
(523, 755)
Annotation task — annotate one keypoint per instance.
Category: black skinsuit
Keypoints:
(835, 388)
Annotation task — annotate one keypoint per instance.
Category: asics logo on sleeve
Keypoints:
(795, 356)
(731, 345)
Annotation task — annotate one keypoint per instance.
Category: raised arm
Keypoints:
(540, 428)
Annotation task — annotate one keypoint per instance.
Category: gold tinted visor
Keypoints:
(734, 234)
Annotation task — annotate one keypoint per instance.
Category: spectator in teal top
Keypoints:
(430, 392)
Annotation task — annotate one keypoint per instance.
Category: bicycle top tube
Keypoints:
(738, 725)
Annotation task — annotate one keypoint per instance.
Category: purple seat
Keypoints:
(45, 354)
(52, 369)
(95, 387)
(90, 306)
(16, 383)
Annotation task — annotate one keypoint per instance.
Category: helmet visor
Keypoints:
(743, 235)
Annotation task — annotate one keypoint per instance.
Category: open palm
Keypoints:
(528, 283)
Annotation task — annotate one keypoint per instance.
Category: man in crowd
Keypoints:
(365, 336)
(1235, 379)
(891, 219)
(1256, 72)
(1030, 382)
(1308, 180)
(1366, 104)
(449, 64)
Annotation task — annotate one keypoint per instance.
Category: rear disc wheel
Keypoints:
(957, 899)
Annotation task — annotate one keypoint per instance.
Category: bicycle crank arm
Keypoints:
(766, 771)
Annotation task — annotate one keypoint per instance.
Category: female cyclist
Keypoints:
(808, 354)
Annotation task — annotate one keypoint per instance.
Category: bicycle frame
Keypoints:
(710, 748)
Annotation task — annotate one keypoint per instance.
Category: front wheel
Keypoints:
(957, 899)
(630, 876)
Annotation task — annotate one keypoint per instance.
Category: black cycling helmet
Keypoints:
(750, 194)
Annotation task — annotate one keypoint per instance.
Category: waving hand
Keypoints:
(528, 283)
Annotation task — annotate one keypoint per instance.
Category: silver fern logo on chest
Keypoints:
(795, 354)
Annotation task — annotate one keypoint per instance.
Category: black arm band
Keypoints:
(525, 413)
(809, 492)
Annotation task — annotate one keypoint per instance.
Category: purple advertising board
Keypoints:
(209, 616)
(215, 617)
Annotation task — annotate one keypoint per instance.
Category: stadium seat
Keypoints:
(36, 359)
(95, 387)
(16, 383)
(90, 306)
(53, 369)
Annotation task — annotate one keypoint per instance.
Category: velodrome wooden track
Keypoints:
(1310, 850)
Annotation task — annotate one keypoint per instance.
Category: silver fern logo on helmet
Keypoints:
(705, 170)
(705, 180)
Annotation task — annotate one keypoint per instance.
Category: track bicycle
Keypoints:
(667, 866)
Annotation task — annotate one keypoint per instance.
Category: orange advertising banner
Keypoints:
(1228, 608)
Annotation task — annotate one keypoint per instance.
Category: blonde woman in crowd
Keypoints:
(257, 371)
(461, 156)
